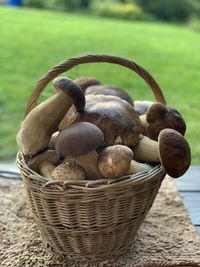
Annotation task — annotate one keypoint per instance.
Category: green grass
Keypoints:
(32, 41)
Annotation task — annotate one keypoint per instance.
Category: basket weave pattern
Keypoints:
(90, 219)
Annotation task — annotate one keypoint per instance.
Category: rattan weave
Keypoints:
(90, 219)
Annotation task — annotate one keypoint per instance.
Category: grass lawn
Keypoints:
(32, 41)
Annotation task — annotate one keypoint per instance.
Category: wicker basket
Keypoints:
(90, 219)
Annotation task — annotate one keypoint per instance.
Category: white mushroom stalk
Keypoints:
(52, 141)
(44, 163)
(136, 167)
(39, 125)
(89, 162)
(146, 150)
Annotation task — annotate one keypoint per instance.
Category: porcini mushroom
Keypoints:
(146, 150)
(43, 120)
(52, 141)
(109, 90)
(141, 106)
(44, 163)
(115, 117)
(172, 150)
(78, 142)
(68, 171)
(116, 161)
(84, 82)
(158, 117)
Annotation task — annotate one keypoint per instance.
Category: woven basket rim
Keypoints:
(89, 185)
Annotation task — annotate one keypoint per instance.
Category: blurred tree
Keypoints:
(61, 5)
(35, 3)
(171, 10)
(75, 4)
(85, 3)
(168, 10)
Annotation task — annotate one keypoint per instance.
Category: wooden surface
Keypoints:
(188, 186)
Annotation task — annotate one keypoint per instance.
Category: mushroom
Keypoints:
(68, 171)
(116, 161)
(44, 163)
(84, 82)
(78, 142)
(146, 150)
(141, 106)
(109, 90)
(172, 150)
(43, 120)
(158, 117)
(115, 117)
(52, 141)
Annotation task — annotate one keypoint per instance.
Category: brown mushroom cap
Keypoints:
(159, 117)
(84, 82)
(174, 152)
(114, 161)
(49, 156)
(115, 117)
(109, 90)
(78, 139)
(68, 171)
(141, 106)
(72, 90)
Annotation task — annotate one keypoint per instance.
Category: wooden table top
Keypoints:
(189, 187)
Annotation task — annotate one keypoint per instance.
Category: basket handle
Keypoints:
(72, 62)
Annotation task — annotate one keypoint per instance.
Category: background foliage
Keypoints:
(166, 10)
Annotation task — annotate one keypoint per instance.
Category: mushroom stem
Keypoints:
(46, 168)
(143, 119)
(44, 163)
(147, 150)
(52, 141)
(136, 167)
(43, 120)
(89, 164)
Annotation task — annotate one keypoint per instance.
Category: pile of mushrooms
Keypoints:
(87, 130)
